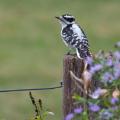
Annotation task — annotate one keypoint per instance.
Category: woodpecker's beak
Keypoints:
(57, 18)
(60, 19)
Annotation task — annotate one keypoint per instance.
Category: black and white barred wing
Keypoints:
(83, 48)
(74, 37)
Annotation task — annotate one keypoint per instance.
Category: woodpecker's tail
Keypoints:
(83, 53)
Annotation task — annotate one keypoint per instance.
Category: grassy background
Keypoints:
(31, 50)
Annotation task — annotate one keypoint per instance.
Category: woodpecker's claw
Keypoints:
(69, 52)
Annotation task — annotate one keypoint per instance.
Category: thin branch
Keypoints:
(76, 78)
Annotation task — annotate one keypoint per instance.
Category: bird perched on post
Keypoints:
(74, 36)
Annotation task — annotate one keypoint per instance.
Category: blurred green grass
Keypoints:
(31, 50)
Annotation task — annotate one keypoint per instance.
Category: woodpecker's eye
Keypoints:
(68, 17)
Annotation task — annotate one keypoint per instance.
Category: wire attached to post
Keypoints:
(31, 89)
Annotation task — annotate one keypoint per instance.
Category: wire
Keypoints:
(30, 89)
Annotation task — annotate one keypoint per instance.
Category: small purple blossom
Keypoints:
(96, 94)
(89, 60)
(117, 74)
(117, 71)
(107, 77)
(114, 107)
(96, 68)
(70, 116)
(116, 54)
(109, 62)
(94, 107)
(78, 110)
(114, 100)
(106, 114)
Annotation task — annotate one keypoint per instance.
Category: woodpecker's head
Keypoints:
(66, 19)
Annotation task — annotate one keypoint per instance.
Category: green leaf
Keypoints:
(85, 115)
(79, 99)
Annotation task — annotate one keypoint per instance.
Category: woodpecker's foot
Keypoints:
(74, 54)
(69, 52)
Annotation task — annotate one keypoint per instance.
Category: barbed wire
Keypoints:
(31, 89)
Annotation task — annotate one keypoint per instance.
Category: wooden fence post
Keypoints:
(74, 64)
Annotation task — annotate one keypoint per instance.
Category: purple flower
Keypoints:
(117, 71)
(117, 54)
(96, 94)
(107, 77)
(89, 60)
(94, 107)
(117, 74)
(114, 107)
(70, 116)
(109, 62)
(78, 110)
(114, 100)
(105, 115)
(96, 68)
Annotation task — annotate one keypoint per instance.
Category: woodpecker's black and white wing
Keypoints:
(83, 49)
(74, 37)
